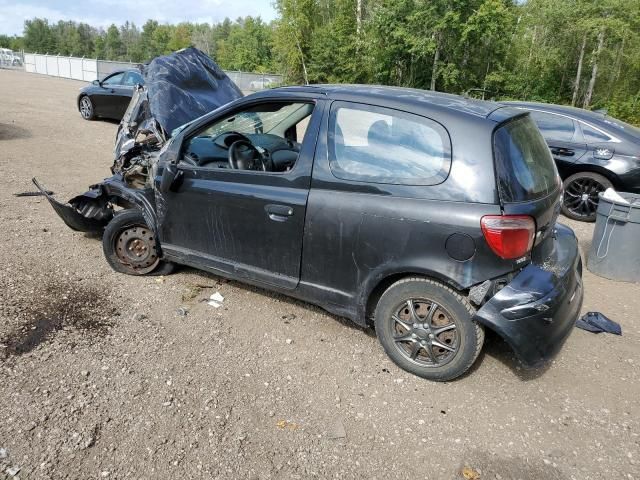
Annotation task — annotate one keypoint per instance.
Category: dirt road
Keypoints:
(101, 378)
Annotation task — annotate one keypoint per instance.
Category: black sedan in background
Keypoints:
(592, 151)
(108, 98)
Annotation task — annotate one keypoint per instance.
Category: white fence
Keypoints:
(85, 69)
(90, 69)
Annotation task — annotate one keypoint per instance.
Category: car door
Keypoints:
(105, 98)
(124, 92)
(562, 135)
(246, 224)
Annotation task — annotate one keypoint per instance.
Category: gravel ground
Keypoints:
(101, 378)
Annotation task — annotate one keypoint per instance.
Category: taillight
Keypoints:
(509, 236)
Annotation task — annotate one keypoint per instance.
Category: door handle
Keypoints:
(565, 152)
(278, 213)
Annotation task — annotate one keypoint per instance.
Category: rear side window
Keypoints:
(133, 78)
(593, 135)
(554, 127)
(524, 165)
(381, 145)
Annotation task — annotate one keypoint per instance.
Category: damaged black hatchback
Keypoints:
(429, 216)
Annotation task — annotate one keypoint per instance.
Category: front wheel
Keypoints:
(581, 190)
(86, 108)
(427, 329)
(131, 247)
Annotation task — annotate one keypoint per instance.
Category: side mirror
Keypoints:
(171, 179)
(96, 83)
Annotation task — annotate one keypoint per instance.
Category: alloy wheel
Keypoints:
(581, 196)
(424, 333)
(86, 108)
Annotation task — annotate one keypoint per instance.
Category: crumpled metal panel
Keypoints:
(74, 219)
(185, 85)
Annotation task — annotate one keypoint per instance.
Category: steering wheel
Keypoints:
(243, 155)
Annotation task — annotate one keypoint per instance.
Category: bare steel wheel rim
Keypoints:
(85, 107)
(581, 196)
(136, 249)
(424, 333)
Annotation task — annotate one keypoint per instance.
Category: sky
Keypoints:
(102, 13)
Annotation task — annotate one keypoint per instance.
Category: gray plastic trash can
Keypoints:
(615, 248)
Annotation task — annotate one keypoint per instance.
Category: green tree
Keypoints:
(336, 53)
(99, 47)
(180, 37)
(132, 46)
(293, 36)
(113, 46)
(39, 37)
(161, 37)
(247, 47)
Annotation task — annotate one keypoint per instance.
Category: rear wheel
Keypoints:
(86, 108)
(131, 247)
(427, 329)
(580, 201)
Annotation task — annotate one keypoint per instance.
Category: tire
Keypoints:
(130, 246)
(580, 199)
(86, 108)
(400, 337)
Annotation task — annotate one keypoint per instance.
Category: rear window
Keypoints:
(593, 135)
(524, 165)
(554, 127)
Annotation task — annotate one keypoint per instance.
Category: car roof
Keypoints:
(575, 112)
(400, 95)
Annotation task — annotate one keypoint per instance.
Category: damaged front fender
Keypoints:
(92, 218)
(93, 210)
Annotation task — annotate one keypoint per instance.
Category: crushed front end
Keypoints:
(179, 88)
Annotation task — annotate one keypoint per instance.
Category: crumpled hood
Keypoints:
(179, 88)
(185, 85)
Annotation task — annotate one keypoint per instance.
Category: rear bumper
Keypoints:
(536, 311)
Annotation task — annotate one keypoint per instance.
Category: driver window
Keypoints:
(266, 137)
(114, 79)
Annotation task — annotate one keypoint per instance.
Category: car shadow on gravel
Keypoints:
(497, 348)
(280, 297)
(42, 310)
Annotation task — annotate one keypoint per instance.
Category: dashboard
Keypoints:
(213, 152)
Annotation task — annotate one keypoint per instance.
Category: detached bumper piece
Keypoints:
(85, 213)
(537, 310)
